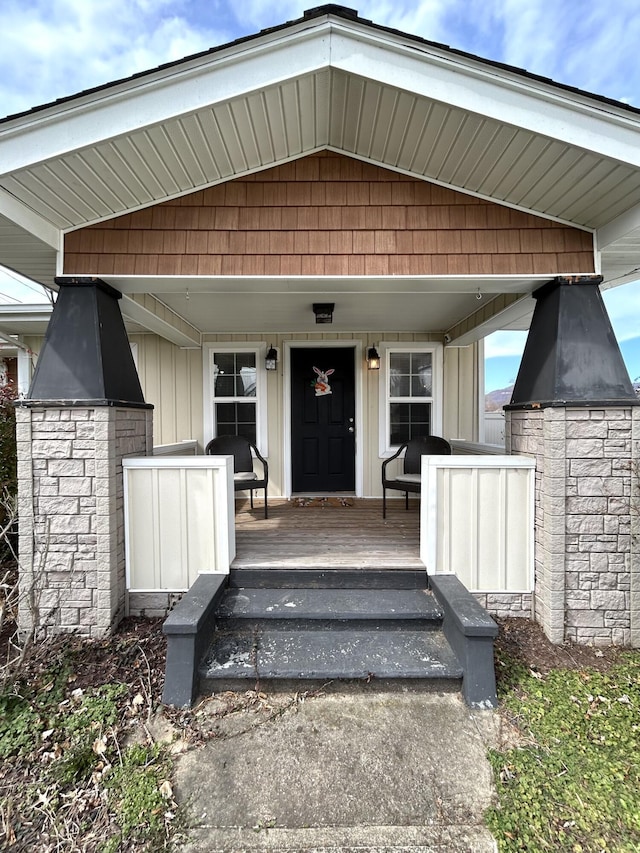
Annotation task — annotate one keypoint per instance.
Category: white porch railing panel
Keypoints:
(179, 520)
(477, 520)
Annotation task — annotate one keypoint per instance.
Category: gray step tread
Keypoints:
(298, 578)
(346, 653)
(333, 604)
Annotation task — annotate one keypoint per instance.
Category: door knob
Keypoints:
(351, 429)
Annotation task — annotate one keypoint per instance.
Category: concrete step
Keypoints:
(340, 653)
(217, 635)
(329, 578)
(328, 605)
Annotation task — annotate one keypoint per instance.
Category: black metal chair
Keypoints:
(244, 477)
(410, 479)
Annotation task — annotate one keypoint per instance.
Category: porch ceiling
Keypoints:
(226, 305)
(325, 81)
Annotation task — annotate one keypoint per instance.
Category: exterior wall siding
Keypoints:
(458, 372)
(462, 370)
(327, 214)
(172, 381)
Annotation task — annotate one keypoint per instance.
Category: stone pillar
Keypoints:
(574, 409)
(84, 413)
(587, 586)
(72, 515)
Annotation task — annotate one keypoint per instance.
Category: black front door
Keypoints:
(323, 442)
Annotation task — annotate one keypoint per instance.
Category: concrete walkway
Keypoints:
(358, 767)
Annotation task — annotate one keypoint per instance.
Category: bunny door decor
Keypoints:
(321, 383)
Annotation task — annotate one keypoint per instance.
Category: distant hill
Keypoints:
(495, 400)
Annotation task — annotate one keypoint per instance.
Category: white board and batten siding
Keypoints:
(477, 520)
(179, 520)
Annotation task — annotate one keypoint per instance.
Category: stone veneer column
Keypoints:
(71, 504)
(587, 585)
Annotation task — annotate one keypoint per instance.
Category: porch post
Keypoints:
(84, 412)
(574, 409)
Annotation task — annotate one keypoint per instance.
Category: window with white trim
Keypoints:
(236, 392)
(410, 393)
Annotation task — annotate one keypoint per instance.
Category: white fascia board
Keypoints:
(26, 218)
(170, 93)
(492, 92)
(621, 227)
(139, 314)
(306, 49)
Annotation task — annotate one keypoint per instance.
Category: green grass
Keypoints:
(70, 774)
(574, 783)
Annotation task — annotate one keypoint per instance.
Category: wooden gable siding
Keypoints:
(327, 214)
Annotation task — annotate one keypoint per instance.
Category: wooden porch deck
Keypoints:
(327, 533)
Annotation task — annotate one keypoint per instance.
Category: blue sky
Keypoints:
(503, 350)
(54, 48)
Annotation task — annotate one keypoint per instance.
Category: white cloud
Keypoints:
(54, 49)
(592, 46)
(501, 344)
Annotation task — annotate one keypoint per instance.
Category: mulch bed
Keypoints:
(524, 641)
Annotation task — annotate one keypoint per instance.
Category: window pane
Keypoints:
(235, 374)
(422, 373)
(421, 384)
(245, 359)
(236, 419)
(420, 361)
(400, 413)
(225, 362)
(400, 385)
(410, 374)
(409, 420)
(400, 362)
(225, 386)
(399, 433)
(246, 382)
(226, 412)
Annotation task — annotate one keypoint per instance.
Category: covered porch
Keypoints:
(192, 217)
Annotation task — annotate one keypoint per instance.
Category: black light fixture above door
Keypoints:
(373, 358)
(271, 359)
(323, 311)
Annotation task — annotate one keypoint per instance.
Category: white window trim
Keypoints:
(261, 400)
(385, 348)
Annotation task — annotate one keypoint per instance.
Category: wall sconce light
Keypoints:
(373, 358)
(271, 359)
(323, 311)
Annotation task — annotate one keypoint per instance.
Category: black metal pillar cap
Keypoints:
(571, 356)
(86, 356)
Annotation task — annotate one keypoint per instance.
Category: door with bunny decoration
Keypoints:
(323, 419)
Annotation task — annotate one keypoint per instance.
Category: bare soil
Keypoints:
(524, 641)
